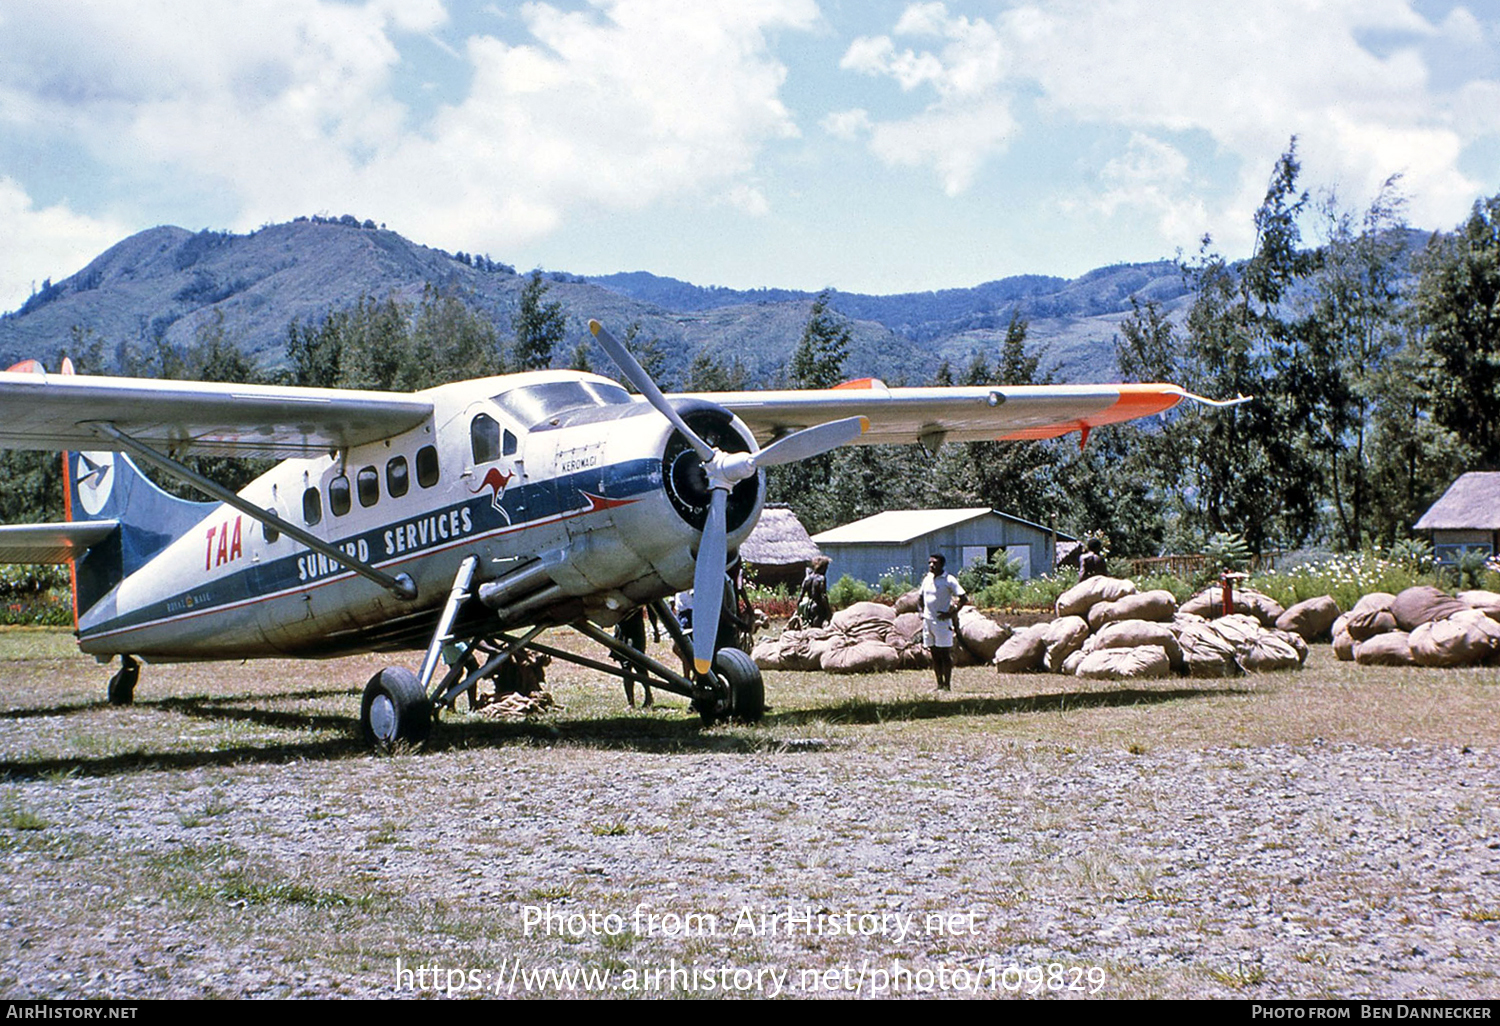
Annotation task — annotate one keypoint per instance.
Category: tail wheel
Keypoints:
(395, 709)
(746, 699)
(122, 684)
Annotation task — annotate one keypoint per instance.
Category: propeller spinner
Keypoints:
(724, 470)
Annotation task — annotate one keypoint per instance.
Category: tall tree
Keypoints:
(1354, 325)
(1458, 306)
(539, 326)
(818, 360)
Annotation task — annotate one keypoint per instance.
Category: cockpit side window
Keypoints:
(510, 444)
(484, 436)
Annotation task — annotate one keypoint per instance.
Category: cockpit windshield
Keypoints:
(533, 404)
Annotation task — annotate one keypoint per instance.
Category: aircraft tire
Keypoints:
(122, 684)
(747, 690)
(395, 709)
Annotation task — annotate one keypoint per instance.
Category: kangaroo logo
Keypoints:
(496, 482)
(95, 480)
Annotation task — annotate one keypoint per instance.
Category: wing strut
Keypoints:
(400, 585)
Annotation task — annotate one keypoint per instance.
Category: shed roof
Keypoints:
(1470, 503)
(779, 539)
(900, 526)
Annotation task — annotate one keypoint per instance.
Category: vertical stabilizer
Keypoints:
(106, 485)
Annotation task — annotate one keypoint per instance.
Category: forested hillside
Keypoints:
(1372, 353)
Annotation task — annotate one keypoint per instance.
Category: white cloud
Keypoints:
(1248, 77)
(53, 242)
(286, 106)
(970, 119)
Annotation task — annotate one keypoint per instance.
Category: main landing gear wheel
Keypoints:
(395, 709)
(122, 684)
(746, 698)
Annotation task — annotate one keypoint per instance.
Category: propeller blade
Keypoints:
(637, 376)
(813, 441)
(708, 582)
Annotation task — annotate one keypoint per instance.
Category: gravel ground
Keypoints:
(1322, 870)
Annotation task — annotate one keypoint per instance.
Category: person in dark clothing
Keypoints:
(813, 606)
(1092, 562)
(632, 631)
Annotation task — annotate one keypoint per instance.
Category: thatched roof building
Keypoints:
(1467, 517)
(779, 549)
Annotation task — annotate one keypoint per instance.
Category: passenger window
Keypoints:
(312, 506)
(510, 443)
(484, 433)
(396, 479)
(367, 481)
(338, 495)
(270, 533)
(427, 466)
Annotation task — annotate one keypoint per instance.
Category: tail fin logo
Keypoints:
(95, 477)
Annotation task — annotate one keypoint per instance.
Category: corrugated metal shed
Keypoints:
(903, 539)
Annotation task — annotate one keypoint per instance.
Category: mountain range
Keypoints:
(164, 283)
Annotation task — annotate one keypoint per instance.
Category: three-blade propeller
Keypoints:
(724, 470)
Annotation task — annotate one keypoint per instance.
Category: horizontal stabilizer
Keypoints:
(52, 543)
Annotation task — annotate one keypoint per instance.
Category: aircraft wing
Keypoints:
(958, 414)
(51, 543)
(55, 411)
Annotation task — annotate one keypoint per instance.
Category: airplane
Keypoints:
(463, 520)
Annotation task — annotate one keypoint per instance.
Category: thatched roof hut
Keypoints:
(779, 549)
(1467, 517)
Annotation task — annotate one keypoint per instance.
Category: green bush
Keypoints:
(848, 591)
(896, 581)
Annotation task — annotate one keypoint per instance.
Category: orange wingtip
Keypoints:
(27, 367)
(861, 383)
(1133, 401)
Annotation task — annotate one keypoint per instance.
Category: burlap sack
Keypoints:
(1311, 619)
(1488, 601)
(865, 620)
(803, 650)
(861, 657)
(1373, 600)
(1364, 624)
(1205, 653)
(1209, 603)
(1390, 649)
(767, 654)
(1137, 633)
(1062, 638)
(1270, 652)
(911, 602)
(1082, 597)
(1343, 646)
(979, 634)
(1070, 665)
(1449, 643)
(1423, 604)
(1156, 606)
(1142, 663)
(904, 629)
(1023, 650)
(1239, 629)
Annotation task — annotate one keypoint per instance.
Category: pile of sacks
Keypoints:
(1422, 626)
(869, 637)
(1107, 630)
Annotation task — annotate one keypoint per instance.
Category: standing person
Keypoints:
(1092, 562)
(813, 607)
(942, 598)
(632, 631)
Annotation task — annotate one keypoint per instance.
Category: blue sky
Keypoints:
(872, 146)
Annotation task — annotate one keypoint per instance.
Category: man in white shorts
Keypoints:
(942, 598)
